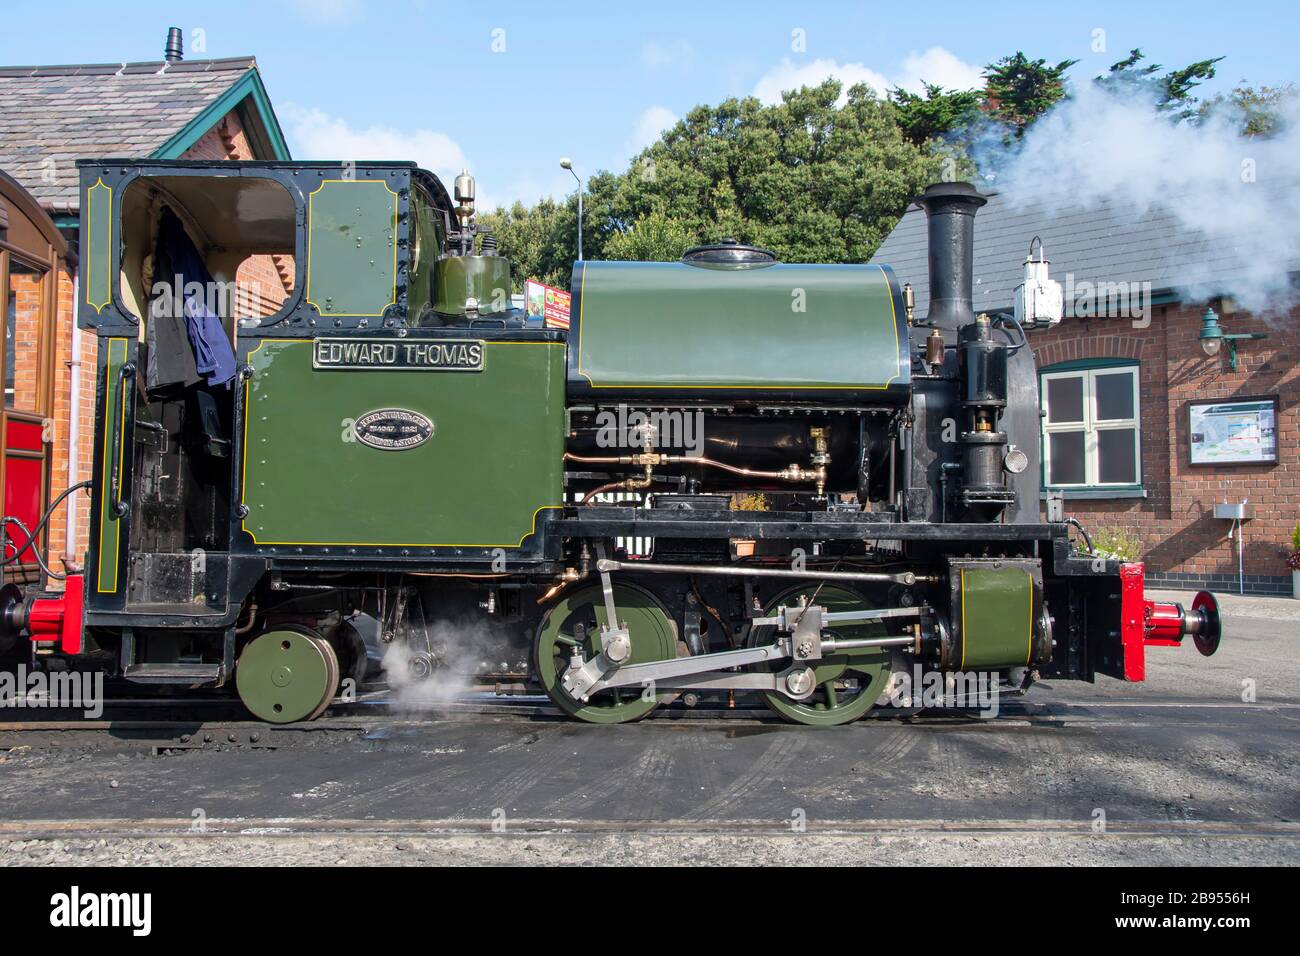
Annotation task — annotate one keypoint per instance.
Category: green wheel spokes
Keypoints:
(575, 621)
(832, 699)
(849, 683)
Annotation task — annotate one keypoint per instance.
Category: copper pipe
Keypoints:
(627, 484)
(252, 619)
(792, 473)
(551, 593)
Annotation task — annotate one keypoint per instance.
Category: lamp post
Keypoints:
(1212, 337)
(567, 163)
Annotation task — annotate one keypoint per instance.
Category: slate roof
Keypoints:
(66, 113)
(1097, 243)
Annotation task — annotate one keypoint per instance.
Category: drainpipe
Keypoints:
(74, 428)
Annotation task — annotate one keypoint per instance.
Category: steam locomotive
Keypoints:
(731, 476)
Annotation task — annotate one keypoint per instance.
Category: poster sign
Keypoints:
(1233, 432)
(546, 305)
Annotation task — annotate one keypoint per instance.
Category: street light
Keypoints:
(1212, 337)
(567, 163)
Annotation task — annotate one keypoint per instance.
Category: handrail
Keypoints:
(117, 493)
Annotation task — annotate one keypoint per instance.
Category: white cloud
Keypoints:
(940, 67)
(317, 135)
(651, 123)
(786, 75)
(935, 65)
(330, 12)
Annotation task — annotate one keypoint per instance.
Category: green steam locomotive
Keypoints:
(730, 476)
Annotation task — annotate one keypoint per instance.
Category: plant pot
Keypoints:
(743, 547)
(1295, 584)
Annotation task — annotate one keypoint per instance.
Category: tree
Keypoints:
(1256, 111)
(652, 238)
(1178, 85)
(541, 240)
(937, 113)
(813, 180)
(1172, 91)
(1019, 90)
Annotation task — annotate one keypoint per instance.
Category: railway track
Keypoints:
(166, 725)
(309, 827)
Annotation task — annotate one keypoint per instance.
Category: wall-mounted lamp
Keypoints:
(1213, 336)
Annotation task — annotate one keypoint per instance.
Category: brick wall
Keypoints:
(25, 289)
(262, 284)
(1183, 542)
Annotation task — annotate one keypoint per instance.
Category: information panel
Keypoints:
(1235, 432)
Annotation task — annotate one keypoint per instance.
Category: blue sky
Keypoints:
(507, 88)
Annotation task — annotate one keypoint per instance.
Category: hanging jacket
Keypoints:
(176, 261)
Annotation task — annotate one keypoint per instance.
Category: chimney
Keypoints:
(950, 209)
(174, 52)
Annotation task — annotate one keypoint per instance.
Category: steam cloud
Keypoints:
(1234, 200)
(461, 649)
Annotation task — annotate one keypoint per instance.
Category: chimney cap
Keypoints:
(939, 193)
(174, 51)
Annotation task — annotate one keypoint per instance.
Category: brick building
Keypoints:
(50, 116)
(1124, 376)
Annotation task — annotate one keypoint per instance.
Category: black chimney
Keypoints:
(950, 208)
(175, 49)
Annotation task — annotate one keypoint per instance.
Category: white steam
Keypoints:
(459, 651)
(1232, 203)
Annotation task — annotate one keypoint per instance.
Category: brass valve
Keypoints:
(934, 348)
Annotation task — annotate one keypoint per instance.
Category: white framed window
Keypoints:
(1092, 437)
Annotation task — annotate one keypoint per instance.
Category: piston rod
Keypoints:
(609, 564)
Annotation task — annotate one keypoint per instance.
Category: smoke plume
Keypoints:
(1233, 201)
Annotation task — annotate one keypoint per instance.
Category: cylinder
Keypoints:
(983, 371)
(984, 368)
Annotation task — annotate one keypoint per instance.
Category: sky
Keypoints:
(506, 89)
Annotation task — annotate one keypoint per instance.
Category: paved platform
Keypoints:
(1239, 605)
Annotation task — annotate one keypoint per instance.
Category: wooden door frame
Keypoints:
(45, 255)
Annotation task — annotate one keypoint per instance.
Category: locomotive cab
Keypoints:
(301, 372)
